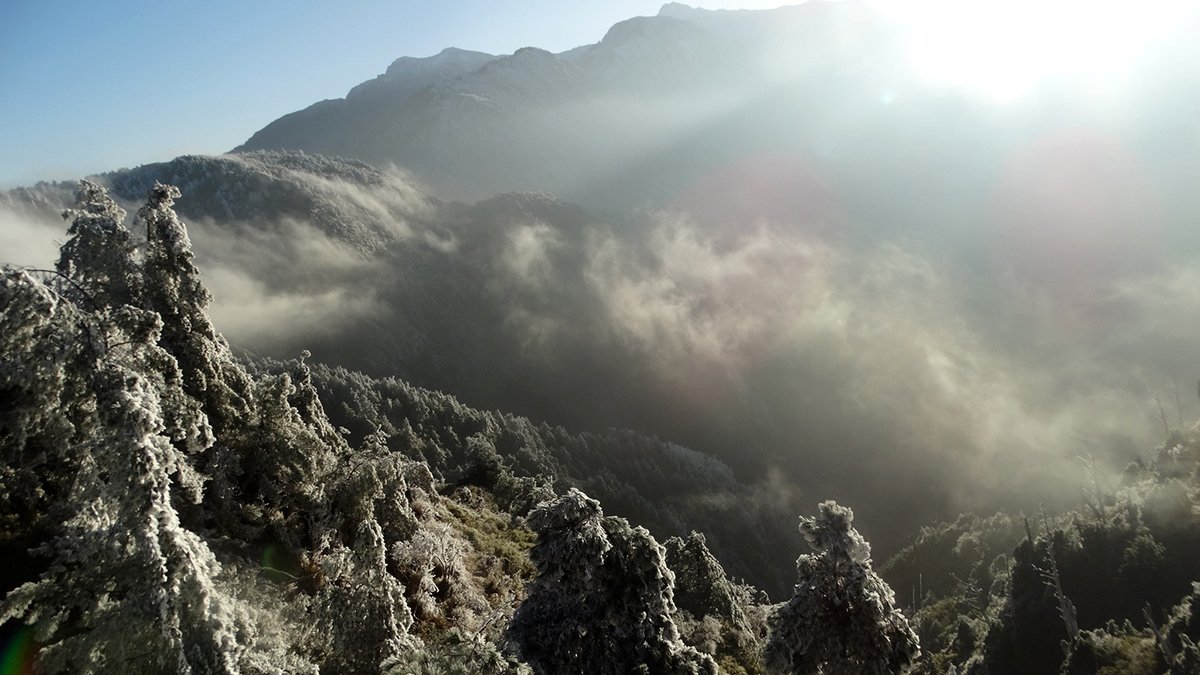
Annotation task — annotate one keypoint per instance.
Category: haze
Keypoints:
(870, 252)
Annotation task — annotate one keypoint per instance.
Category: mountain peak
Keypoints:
(410, 74)
(679, 10)
(448, 56)
(643, 27)
(532, 53)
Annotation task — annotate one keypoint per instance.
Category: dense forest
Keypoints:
(170, 507)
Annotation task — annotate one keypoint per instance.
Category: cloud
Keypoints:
(251, 314)
(864, 375)
(871, 372)
(29, 240)
(276, 286)
(527, 253)
(1157, 314)
(698, 298)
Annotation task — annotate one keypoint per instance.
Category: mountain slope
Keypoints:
(165, 509)
(331, 127)
(508, 124)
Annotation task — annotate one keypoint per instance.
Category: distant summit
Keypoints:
(408, 75)
(586, 124)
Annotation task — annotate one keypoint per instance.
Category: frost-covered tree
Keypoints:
(843, 617)
(291, 461)
(715, 615)
(701, 586)
(374, 505)
(362, 607)
(105, 277)
(307, 404)
(128, 588)
(45, 345)
(99, 258)
(174, 291)
(602, 600)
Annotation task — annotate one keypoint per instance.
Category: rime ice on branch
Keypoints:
(602, 601)
(843, 617)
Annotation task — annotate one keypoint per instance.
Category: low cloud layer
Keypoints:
(278, 286)
(869, 372)
(859, 373)
(29, 240)
(254, 316)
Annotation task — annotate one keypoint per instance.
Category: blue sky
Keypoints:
(93, 86)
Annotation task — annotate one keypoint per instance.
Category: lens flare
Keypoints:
(1003, 50)
(17, 656)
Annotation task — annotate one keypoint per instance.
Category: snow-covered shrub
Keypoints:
(1112, 649)
(438, 584)
(455, 653)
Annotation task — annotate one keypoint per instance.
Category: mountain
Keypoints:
(750, 233)
(336, 124)
(250, 193)
(821, 93)
(471, 125)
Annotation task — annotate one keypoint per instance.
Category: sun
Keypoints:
(1002, 49)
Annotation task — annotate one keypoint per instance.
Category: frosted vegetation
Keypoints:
(169, 507)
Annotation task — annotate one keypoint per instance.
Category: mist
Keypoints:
(880, 371)
(30, 240)
(793, 256)
(860, 374)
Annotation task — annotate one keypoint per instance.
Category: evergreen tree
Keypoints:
(174, 291)
(128, 588)
(843, 617)
(715, 615)
(602, 600)
(99, 258)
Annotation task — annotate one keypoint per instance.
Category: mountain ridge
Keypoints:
(450, 126)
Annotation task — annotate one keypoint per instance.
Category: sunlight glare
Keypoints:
(1002, 50)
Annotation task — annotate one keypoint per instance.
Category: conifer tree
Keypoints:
(174, 291)
(99, 258)
(602, 600)
(128, 588)
(843, 617)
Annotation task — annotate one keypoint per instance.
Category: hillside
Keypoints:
(167, 508)
(873, 372)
